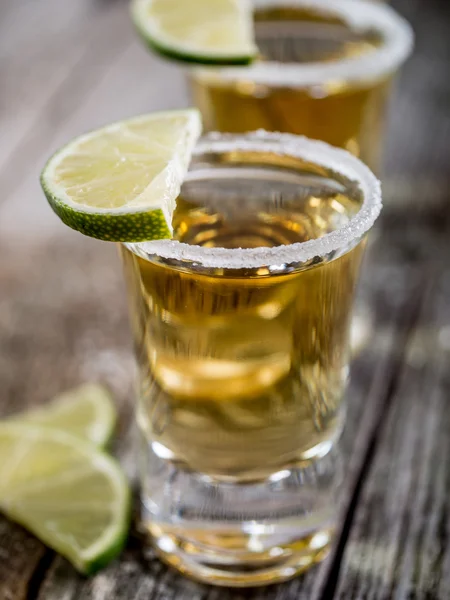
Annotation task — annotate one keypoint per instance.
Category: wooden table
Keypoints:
(68, 66)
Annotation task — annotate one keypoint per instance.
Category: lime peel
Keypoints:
(120, 182)
(41, 451)
(214, 32)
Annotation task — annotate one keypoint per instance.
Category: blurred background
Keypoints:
(69, 67)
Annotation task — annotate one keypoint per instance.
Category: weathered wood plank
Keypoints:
(65, 322)
(20, 555)
(46, 347)
(398, 547)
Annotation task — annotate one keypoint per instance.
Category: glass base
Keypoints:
(238, 559)
(240, 533)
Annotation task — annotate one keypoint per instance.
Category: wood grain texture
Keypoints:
(63, 315)
(64, 321)
(20, 556)
(399, 545)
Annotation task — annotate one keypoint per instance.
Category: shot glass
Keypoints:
(241, 328)
(325, 71)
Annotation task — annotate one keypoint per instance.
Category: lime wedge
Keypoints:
(120, 183)
(86, 411)
(71, 495)
(202, 31)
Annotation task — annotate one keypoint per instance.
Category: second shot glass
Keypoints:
(325, 71)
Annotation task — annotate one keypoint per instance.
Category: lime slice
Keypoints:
(202, 31)
(120, 183)
(71, 495)
(86, 411)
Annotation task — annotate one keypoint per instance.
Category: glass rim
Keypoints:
(363, 15)
(282, 144)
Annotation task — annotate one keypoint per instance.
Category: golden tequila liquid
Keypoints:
(241, 332)
(243, 373)
(293, 88)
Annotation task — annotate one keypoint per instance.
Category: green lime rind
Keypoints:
(136, 226)
(85, 567)
(146, 217)
(17, 504)
(192, 57)
(103, 560)
(182, 54)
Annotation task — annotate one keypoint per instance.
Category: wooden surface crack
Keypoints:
(40, 573)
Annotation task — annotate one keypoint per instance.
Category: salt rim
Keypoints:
(398, 40)
(284, 144)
